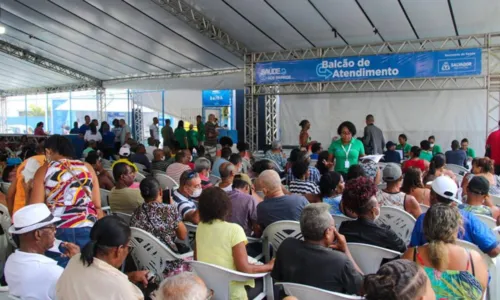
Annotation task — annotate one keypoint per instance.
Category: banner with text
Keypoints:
(449, 63)
(211, 98)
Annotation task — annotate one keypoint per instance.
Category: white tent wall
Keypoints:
(448, 115)
(178, 103)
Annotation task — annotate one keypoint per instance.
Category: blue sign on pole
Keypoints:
(212, 98)
(449, 63)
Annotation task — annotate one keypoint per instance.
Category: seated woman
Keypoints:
(300, 184)
(222, 243)
(413, 185)
(162, 221)
(415, 161)
(106, 180)
(455, 272)
(359, 197)
(399, 279)
(322, 164)
(331, 186)
(99, 264)
(483, 167)
(437, 168)
(477, 200)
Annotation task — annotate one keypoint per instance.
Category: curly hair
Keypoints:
(213, 204)
(357, 194)
(349, 125)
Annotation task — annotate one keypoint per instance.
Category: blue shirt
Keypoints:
(392, 156)
(284, 208)
(217, 163)
(474, 231)
(456, 157)
(84, 128)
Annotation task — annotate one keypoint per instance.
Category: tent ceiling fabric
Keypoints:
(110, 39)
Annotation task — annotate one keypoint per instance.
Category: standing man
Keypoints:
(373, 138)
(493, 148)
(85, 126)
(154, 131)
(211, 136)
(201, 130)
(168, 134)
(192, 137)
(125, 133)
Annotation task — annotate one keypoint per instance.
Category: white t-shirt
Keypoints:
(156, 131)
(92, 137)
(32, 276)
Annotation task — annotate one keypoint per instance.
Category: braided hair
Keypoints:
(396, 280)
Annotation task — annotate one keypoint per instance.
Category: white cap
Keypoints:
(446, 187)
(124, 150)
(32, 217)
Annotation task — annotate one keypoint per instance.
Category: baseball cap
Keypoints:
(124, 150)
(389, 144)
(479, 185)
(13, 161)
(446, 187)
(392, 172)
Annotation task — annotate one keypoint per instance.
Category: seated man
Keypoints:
(391, 155)
(189, 189)
(202, 167)
(359, 197)
(227, 172)
(392, 196)
(151, 147)
(237, 161)
(224, 157)
(122, 198)
(141, 158)
(276, 205)
(28, 272)
(159, 163)
(277, 155)
(186, 285)
(444, 190)
(180, 165)
(322, 260)
(105, 179)
(244, 206)
(314, 174)
(300, 185)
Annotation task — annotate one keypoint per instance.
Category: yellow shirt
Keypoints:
(100, 280)
(214, 245)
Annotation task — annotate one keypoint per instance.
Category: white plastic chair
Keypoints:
(339, 219)
(277, 167)
(191, 239)
(149, 253)
(456, 169)
(398, 220)
(369, 257)
(4, 187)
(125, 217)
(495, 199)
(140, 167)
(214, 180)
(424, 208)
(302, 291)
(219, 279)
(166, 182)
(276, 233)
(104, 197)
(154, 172)
(7, 244)
(139, 177)
(494, 284)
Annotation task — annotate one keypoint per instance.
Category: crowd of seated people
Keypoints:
(248, 199)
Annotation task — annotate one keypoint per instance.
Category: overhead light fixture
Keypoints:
(2, 29)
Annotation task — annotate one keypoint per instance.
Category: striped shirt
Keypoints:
(314, 175)
(175, 171)
(303, 187)
(184, 205)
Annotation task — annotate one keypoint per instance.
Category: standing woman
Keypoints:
(39, 129)
(92, 134)
(347, 150)
(304, 138)
(117, 131)
(70, 188)
(181, 135)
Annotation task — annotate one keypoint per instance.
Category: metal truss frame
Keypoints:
(137, 109)
(202, 24)
(100, 97)
(52, 89)
(3, 113)
(490, 80)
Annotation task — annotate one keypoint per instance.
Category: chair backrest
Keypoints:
(458, 170)
(166, 182)
(369, 257)
(424, 208)
(4, 187)
(218, 278)
(140, 167)
(277, 167)
(139, 177)
(495, 199)
(214, 180)
(5, 222)
(276, 233)
(191, 239)
(339, 219)
(302, 291)
(468, 245)
(398, 220)
(154, 172)
(149, 253)
(104, 197)
(125, 217)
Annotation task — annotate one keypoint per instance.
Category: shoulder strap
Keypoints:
(404, 202)
(471, 263)
(415, 254)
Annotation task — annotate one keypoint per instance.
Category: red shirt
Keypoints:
(414, 163)
(493, 142)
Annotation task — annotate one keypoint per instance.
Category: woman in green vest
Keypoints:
(347, 150)
(181, 135)
(192, 137)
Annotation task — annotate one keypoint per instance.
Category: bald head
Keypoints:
(185, 286)
(270, 183)
(227, 170)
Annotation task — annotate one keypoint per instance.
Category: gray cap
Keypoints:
(392, 172)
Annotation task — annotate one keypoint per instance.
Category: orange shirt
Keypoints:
(20, 196)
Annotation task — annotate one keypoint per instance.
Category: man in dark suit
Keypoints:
(373, 138)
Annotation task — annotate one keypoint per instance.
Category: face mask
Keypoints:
(432, 145)
(196, 193)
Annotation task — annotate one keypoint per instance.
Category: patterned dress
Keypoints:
(161, 221)
(68, 189)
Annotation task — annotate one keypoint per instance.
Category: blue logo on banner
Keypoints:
(218, 97)
(464, 62)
